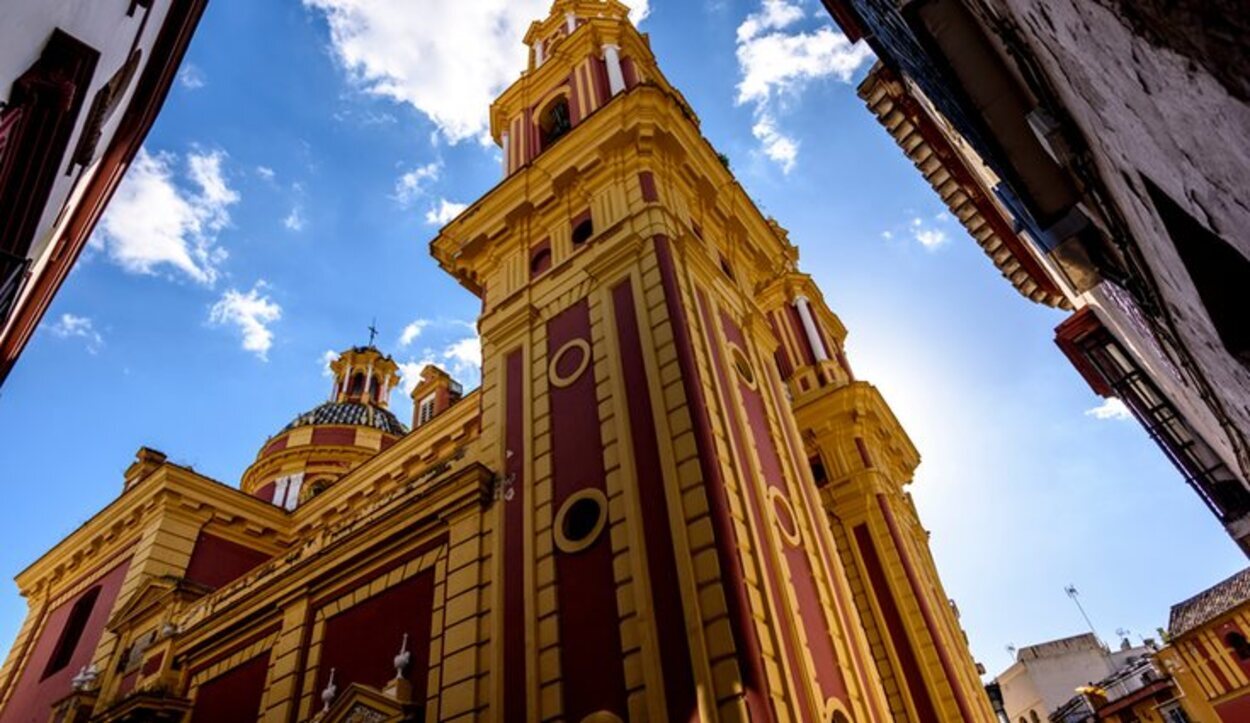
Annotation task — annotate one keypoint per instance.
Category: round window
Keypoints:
(580, 520)
(742, 365)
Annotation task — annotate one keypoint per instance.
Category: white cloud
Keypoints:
(927, 236)
(1112, 408)
(152, 221)
(776, 63)
(191, 77)
(931, 238)
(776, 145)
(443, 213)
(412, 331)
(294, 220)
(412, 184)
(465, 351)
(887, 235)
(71, 326)
(328, 356)
(449, 59)
(410, 373)
(265, 172)
(252, 313)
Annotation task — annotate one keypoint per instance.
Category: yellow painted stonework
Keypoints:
(769, 455)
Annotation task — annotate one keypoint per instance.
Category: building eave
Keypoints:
(149, 96)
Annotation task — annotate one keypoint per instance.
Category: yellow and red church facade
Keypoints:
(669, 500)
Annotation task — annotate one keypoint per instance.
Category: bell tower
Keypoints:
(661, 548)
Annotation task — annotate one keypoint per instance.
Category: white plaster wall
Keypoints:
(25, 28)
(1044, 684)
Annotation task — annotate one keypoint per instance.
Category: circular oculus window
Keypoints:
(580, 520)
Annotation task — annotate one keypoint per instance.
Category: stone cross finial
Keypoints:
(86, 678)
(331, 690)
(404, 658)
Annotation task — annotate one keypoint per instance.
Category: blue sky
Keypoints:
(285, 199)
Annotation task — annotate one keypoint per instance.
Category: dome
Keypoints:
(350, 413)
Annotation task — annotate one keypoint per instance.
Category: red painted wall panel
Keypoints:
(235, 695)
(926, 612)
(646, 180)
(747, 644)
(675, 663)
(590, 651)
(1236, 710)
(266, 492)
(216, 562)
(514, 539)
(828, 676)
(361, 642)
(340, 436)
(894, 625)
(32, 697)
(800, 336)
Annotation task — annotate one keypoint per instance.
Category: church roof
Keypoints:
(1210, 603)
(350, 413)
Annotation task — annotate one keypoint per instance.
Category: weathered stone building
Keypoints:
(1097, 151)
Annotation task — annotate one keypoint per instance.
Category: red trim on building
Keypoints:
(798, 566)
(646, 181)
(816, 518)
(1213, 665)
(926, 611)
(334, 436)
(784, 364)
(1068, 337)
(515, 655)
(1234, 710)
(148, 96)
(750, 658)
(671, 637)
(235, 695)
(800, 335)
(265, 492)
(276, 445)
(629, 72)
(575, 100)
(360, 642)
(845, 18)
(38, 688)
(894, 626)
(540, 258)
(216, 562)
(152, 664)
(591, 657)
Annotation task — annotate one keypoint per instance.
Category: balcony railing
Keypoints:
(12, 276)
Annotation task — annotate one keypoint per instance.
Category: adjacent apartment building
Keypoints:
(1208, 654)
(1046, 675)
(1095, 149)
(80, 85)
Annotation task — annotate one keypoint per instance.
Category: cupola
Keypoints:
(321, 445)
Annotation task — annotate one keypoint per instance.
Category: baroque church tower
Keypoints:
(703, 514)
(669, 500)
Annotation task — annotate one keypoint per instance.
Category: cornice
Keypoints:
(166, 490)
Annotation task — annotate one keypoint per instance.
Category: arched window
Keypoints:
(71, 632)
(1033, 717)
(357, 387)
(554, 122)
(583, 230)
(1238, 644)
(540, 261)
